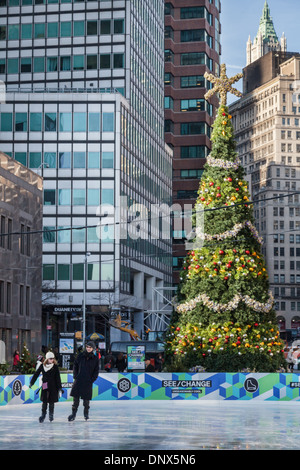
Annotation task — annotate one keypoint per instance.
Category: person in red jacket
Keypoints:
(16, 360)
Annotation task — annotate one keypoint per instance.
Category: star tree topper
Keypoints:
(223, 85)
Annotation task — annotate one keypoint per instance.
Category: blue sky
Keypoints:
(240, 18)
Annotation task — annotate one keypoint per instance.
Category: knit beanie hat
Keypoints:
(91, 344)
(50, 355)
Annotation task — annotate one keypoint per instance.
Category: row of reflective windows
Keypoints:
(65, 272)
(13, 3)
(63, 29)
(190, 58)
(78, 197)
(57, 122)
(199, 104)
(65, 234)
(62, 64)
(79, 160)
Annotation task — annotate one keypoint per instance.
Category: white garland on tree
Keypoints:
(232, 305)
(230, 233)
(227, 165)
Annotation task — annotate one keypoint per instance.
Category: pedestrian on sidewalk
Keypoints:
(51, 385)
(85, 372)
(16, 363)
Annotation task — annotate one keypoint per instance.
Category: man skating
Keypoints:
(85, 372)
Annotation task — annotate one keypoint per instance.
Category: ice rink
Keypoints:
(155, 425)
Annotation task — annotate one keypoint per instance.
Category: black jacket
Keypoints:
(85, 372)
(52, 378)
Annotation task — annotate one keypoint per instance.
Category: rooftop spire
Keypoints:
(266, 26)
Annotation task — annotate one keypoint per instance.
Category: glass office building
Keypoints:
(85, 109)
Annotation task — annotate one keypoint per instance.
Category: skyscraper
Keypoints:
(192, 47)
(84, 107)
(266, 39)
(266, 121)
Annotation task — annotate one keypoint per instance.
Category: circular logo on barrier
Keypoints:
(251, 384)
(17, 387)
(124, 385)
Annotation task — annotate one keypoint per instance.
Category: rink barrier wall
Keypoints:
(14, 389)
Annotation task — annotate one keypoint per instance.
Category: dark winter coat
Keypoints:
(121, 364)
(85, 372)
(52, 378)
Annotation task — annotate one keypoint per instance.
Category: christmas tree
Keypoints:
(27, 361)
(225, 319)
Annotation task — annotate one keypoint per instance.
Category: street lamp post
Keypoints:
(84, 299)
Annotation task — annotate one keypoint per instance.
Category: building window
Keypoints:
(104, 61)
(64, 197)
(118, 61)
(38, 64)
(52, 30)
(35, 159)
(195, 58)
(49, 235)
(6, 122)
(64, 160)
(108, 122)
(65, 122)
(27, 301)
(107, 159)
(65, 63)
(94, 122)
(65, 29)
(192, 128)
(26, 31)
(78, 197)
(78, 28)
(8, 297)
(48, 272)
(119, 26)
(93, 197)
(77, 272)
(49, 197)
(94, 160)
(12, 66)
(105, 26)
(91, 28)
(13, 31)
(78, 62)
(193, 151)
(39, 30)
(35, 120)
(21, 122)
(51, 64)
(2, 296)
(63, 272)
(21, 300)
(50, 159)
(91, 62)
(3, 231)
(21, 157)
(79, 122)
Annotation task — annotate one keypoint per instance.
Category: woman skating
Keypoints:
(51, 385)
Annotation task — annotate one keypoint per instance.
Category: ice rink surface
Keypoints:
(154, 425)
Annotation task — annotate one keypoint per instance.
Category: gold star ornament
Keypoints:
(223, 85)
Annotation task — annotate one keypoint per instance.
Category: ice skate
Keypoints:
(72, 416)
(42, 417)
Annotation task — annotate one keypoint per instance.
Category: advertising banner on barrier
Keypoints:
(136, 358)
(165, 386)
